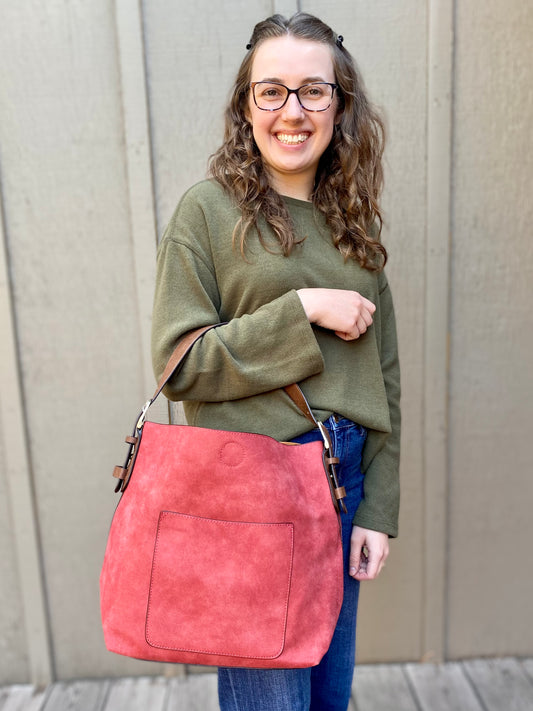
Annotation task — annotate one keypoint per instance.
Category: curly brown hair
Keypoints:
(349, 177)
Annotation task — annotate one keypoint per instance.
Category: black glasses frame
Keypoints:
(253, 84)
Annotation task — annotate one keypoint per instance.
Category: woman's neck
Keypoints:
(299, 189)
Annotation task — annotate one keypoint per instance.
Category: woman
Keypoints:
(282, 246)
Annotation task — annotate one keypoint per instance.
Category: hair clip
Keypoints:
(339, 41)
(249, 45)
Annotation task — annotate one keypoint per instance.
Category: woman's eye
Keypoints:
(271, 92)
(313, 92)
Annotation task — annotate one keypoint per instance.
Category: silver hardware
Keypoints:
(142, 416)
(324, 434)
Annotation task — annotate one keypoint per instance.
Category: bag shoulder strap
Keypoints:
(182, 349)
(175, 361)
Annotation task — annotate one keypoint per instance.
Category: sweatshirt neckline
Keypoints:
(306, 204)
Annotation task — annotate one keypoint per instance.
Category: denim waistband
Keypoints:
(334, 424)
(337, 422)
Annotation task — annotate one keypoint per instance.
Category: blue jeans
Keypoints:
(326, 687)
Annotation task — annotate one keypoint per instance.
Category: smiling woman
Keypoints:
(296, 186)
(291, 138)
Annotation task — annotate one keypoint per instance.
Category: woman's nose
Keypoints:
(293, 109)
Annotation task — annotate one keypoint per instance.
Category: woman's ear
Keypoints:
(246, 110)
(339, 109)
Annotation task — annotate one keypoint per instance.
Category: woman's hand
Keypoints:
(368, 553)
(347, 313)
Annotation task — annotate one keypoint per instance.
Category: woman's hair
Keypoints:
(349, 177)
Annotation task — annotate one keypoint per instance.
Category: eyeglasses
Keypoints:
(271, 96)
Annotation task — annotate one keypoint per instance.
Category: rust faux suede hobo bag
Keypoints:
(224, 548)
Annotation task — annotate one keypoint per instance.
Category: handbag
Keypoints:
(225, 547)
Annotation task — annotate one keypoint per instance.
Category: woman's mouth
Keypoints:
(292, 139)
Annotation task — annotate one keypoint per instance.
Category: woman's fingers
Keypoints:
(368, 553)
(361, 326)
(345, 336)
(367, 314)
(347, 313)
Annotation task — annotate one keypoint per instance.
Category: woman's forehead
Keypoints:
(285, 58)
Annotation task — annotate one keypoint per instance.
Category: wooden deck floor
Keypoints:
(474, 685)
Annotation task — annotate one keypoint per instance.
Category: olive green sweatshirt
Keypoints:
(232, 377)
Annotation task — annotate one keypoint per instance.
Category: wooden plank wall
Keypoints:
(109, 111)
(491, 296)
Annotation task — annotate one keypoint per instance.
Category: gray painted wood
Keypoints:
(285, 7)
(139, 169)
(442, 687)
(436, 354)
(527, 665)
(501, 684)
(15, 665)
(192, 55)
(197, 669)
(77, 696)
(137, 694)
(491, 386)
(21, 697)
(20, 495)
(478, 685)
(382, 688)
(196, 693)
(13, 641)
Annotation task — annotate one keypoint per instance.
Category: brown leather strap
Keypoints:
(184, 346)
(120, 472)
(340, 493)
(296, 395)
(332, 460)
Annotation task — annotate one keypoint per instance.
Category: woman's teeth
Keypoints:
(292, 139)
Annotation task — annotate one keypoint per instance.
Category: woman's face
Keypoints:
(291, 140)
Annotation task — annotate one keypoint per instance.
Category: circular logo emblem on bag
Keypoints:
(232, 454)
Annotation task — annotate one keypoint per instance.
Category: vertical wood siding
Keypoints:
(491, 375)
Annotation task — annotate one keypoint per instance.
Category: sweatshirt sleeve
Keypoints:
(250, 354)
(380, 506)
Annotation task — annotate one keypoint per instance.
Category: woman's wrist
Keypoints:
(308, 303)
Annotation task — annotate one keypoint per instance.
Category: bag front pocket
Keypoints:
(220, 587)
